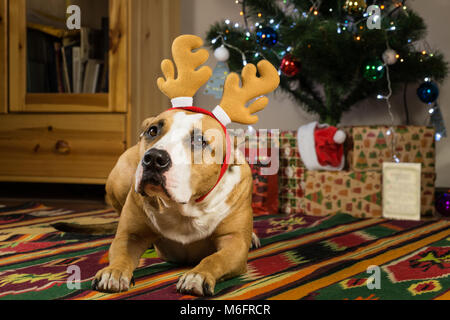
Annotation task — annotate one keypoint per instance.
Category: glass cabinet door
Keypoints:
(61, 57)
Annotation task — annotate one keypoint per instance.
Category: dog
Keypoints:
(193, 212)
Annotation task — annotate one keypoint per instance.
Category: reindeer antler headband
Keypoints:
(232, 106)
(189, 80)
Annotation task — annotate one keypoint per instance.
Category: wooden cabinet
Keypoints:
(64, 148)
(78, 137)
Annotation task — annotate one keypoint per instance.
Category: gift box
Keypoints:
(357, 189)
(331, 192)
(427, 194)
(258, 150)
(291, 174)
(372, 145)
(265, 192)
(356, 193)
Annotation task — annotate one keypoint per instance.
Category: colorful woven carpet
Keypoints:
(302, 257)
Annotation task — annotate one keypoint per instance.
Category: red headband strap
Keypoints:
(224, 167)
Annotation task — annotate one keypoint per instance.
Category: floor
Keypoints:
(69, 196)
(301, 257)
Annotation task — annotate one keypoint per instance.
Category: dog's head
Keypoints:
(182, 152)
(181, 155)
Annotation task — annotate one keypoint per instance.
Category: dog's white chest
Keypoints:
(192, 222)
(173, 225)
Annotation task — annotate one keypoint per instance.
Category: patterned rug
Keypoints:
(302, 257)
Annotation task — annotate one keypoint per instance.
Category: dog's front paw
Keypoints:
(112, 279)
(196, 283)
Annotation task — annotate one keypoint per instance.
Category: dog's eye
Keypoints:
(152, 131)
(198, 141)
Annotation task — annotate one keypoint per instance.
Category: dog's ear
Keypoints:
(145, 124)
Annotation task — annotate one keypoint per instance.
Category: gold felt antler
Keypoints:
(188, 80)
(235, 97)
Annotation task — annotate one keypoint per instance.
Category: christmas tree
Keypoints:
(332, 54)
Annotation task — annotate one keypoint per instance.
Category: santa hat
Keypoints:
(321, 146)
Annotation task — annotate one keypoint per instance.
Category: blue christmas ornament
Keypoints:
(428, 92)
(267, 37)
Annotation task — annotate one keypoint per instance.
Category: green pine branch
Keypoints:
(331, 79)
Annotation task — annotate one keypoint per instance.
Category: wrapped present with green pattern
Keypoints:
(366, 148)
(291, 174)
(427, 194)
(373, 145)
(331, 192)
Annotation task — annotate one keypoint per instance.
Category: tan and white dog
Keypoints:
(193, 212)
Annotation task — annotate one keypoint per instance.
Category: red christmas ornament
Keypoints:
(290, 66)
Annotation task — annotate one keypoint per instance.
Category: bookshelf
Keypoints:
(114, 101)
(48, 133)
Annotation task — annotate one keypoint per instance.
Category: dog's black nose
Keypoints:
(156, 159)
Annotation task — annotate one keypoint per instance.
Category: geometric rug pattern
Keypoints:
(301, 257)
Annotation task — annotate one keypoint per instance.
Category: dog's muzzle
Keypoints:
(156, 160)
(154, 163)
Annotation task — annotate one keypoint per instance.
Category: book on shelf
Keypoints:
(66, 53)
(92, 43)
(84, 44)
(76, 69)
(59, 73)
(91, 75)
(66, 61)
(103, 81)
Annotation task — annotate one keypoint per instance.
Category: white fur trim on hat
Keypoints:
(180, 102)
(221, 115)
(307, 148)
(339, 137)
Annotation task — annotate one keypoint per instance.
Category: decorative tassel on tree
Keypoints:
(215, 84)
(437, 121)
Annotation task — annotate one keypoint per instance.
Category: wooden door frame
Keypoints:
(114, 101)
(3, 56)
(154, 24)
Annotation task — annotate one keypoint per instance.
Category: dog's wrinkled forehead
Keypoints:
(179, 128)
(173, 125)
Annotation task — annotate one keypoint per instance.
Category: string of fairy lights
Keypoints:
(264, 29)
